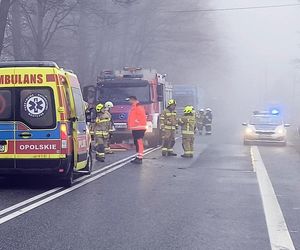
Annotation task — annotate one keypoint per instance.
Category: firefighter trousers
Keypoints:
(208, 129)
(188, 145)
(168, 140)
(101, 143)
(200, 127)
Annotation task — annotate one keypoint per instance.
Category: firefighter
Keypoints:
(101, 131)
(208, 121)
(200, 120)
(88, 116)
(188, 127)
(137, 123)
(91, 116)
(168, 125)
(108, 105)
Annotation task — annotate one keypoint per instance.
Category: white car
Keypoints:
(266, 128)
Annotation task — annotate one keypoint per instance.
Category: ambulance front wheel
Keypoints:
(89, 164)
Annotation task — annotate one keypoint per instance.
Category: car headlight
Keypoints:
(249, 131)
(280, 131)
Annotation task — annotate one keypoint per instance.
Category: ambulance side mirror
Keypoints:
(88, 116)
(89, 92)
(73, 119)
(61, 110)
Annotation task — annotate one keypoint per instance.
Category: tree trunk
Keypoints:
(83, 58)
(4, 9)
(16, 31)
(39, 40)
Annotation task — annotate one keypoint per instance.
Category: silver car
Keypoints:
(266, 128)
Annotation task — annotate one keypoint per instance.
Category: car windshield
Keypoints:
(118, 95)
(265, 120)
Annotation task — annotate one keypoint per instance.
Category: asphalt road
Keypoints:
(210, 202)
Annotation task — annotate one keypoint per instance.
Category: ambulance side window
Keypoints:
(79, 106)
(37, 108)
(6, 112)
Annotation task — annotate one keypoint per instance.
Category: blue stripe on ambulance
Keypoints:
(39, 134)
(6, 135)
(6, 126)
(6, 131)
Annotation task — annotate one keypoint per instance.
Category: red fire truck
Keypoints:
(151, 88)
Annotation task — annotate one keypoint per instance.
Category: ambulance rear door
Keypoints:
(37, 129)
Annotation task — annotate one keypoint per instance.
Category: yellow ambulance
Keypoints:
(42, 121)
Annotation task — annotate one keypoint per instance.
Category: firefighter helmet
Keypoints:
(109, 105)
(201, 110)
(208, 110)
(99, 107)
(171, 102)
(188, 109)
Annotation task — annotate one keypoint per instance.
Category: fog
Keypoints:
(261, 47)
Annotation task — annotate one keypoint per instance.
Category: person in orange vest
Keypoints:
(137, 123)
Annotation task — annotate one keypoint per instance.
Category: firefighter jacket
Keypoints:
(137, 119)
(111, 127)
(168, 120)
(102, 125)
(208, 119)
(188, 124)
(200, 117)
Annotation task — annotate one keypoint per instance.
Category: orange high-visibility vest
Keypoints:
(137, 119)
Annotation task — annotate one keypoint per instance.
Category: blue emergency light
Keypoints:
(275, 111)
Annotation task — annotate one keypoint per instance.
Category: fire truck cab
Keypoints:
(151, 89)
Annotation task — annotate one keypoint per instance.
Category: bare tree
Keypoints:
(4, 9)
(44, 18)
(16, 30)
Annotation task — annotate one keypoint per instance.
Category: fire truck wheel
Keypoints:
(155, 140)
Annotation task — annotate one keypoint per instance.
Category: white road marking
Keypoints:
(25, 202)
(51, 191)
(39, 203)
(280, 238)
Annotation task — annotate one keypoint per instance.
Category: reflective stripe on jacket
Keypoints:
(137, 119)
(168, 120)
(102, 124)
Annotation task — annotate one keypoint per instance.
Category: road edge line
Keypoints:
(279, 235)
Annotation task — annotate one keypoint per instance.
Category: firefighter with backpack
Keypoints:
(188, 127)
(101, 131)
(208, 121)
(108, 106)
(200, 115)
(169, 125)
